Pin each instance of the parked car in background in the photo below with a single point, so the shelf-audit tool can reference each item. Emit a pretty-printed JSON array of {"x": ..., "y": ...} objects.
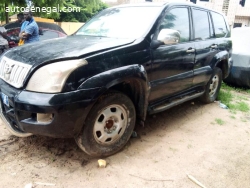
[
  {"x": 46, "y": 31},
  {"x": 3, "y": 41},
  {"x": 240, "y": 72},
  {"x": 123, "y": 64}
]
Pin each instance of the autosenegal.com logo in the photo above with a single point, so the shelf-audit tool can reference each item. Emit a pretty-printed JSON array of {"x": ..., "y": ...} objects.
[{"x": 47, "y": 10}]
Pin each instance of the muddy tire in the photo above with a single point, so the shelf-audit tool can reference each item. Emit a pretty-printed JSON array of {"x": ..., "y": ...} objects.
[
  {"x": 213, "y": 87},
  {"x": 108, "y": 126}
]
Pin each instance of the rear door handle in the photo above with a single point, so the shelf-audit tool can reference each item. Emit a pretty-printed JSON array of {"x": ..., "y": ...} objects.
[
  {"x": 190, "y": 50},
  {"x": 214, "y": 46}
]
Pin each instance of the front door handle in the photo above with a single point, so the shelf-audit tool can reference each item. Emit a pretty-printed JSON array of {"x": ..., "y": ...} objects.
[
  {"x": 214, "y": 46},
  {"x": 190, "y": 50}
]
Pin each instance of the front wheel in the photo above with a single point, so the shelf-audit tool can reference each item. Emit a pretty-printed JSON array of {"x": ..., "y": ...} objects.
[
  {"x": 213, "y": 87},
  {"x": 108, "y": 126}
]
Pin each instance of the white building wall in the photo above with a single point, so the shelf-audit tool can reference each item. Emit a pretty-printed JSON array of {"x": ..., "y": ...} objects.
[
  {"x": 232, "y": 11},
  {"x": 243, "y": 11},
  {"x": 243, "y": 20}
]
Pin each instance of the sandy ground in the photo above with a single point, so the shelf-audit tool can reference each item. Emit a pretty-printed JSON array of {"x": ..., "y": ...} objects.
[{"x": 185, "y": 140}]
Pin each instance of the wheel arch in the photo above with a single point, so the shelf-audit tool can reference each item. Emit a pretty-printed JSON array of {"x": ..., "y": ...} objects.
[
  {"x": 222, "y": 62},
  {"x": 137, "y": 91},
  {"x": 131, "y": 80}
]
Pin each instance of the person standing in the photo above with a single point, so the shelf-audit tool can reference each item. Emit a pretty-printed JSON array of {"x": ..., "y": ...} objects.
[
  {"x": 22, "y": 21},
  {"x": 30, "y": 33}
]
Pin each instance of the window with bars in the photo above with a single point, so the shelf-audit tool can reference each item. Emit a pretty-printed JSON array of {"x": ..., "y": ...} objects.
[{"x": 225, "y": 6}]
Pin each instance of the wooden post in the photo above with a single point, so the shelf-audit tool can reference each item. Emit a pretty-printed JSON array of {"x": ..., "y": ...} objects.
[{"x": 6, "y": 13}]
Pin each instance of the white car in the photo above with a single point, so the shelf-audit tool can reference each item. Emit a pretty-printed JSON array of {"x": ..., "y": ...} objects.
[{"x": 240, "y": 72}]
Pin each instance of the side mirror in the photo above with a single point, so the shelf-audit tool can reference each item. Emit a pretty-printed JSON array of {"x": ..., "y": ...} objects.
[{"x": 169, "y": 36}]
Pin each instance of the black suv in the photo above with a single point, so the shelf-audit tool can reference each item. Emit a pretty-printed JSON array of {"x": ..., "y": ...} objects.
[{"x": 126, "y": 62}]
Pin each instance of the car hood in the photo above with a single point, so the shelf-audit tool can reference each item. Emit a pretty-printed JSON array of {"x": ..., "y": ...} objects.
[{"x": 63, "y": 48}]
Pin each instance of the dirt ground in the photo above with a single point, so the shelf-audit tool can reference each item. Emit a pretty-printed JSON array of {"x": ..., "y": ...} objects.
[{"x": 185, "y": 140}]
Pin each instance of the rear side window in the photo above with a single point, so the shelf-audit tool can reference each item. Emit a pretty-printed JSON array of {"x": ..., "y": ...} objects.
[
  {"x": 220, "y": 27},
  {"x": 201, "y": 25},
  {"x": 177, "y": 19}
]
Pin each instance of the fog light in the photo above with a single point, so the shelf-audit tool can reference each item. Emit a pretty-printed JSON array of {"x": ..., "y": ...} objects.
[{"x": 44, "y": 118}]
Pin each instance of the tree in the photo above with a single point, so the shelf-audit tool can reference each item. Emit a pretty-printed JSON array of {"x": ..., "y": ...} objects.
[
  {"x": 4, "y": 15},
  {"x": 7, "y": 4},
  {"x": 88, "y": 8},
  {"x": 46, "y": 4}
]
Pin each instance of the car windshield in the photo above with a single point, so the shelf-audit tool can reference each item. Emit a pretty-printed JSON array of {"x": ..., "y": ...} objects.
[{"x": 126, "y": 22}]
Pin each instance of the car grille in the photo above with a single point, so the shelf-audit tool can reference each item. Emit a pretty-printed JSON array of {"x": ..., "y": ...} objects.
[{"x": 13, "y": 72}]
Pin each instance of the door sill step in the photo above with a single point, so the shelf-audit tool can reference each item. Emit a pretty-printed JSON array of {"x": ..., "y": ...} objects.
[{"x": 174, "y": 103}]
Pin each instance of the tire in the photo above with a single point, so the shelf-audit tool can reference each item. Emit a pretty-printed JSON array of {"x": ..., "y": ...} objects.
[
  {"x": 213, "y": 87},
  {"x": 108, "y": 126}
]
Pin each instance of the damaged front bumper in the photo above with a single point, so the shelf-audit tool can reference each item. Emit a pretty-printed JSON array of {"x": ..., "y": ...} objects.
[{"x": 55, "y": 115}]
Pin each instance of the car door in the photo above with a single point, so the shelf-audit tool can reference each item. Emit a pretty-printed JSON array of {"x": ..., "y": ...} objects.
[
  {"x": 205, "y": 45},
  {"x": 172, "y": 67}
]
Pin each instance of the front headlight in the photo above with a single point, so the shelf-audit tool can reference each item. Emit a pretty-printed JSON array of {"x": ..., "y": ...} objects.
[{"x": 51, "y": 78}]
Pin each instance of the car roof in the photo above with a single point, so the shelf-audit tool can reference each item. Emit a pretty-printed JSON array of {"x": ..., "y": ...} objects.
[
  {"x": 145, "y": 4},
  {"x": 51, "y": 26},
  {"x": 40, "y": 28},
  {"x": 46, "y": 25},
  {"x": 160, "y": 4}
]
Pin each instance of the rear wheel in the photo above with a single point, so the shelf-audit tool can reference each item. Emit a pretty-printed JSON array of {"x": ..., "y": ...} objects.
[
  {"x": 212, "y": 87},
  {"x": 109, "y": 125}
]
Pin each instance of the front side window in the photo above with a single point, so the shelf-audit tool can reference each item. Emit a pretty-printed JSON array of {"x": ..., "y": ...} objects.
[
  {"x": 177, "y": 19},
  {"x": 219, "y": 25},
  {"x": 201, "y": 25}
]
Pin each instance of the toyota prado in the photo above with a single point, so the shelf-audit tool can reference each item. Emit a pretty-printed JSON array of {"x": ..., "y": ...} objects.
[{"x": 126, "y": 62}]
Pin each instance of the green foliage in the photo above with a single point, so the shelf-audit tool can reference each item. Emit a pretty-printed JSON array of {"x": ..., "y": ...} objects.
[
  {"x": 233, "y": 117},
  {"x": 88, "y": 8},
  {"x": 242, "y": 98},
  {"x": 241, "y": 106},
  {"x": 219, "y": 121},
  {"x": 7, "y": 3},
  {"x": 225, "y": 96},
  {"x": 237, "y": 89},
  {"x": 226, "y": 87},
  {"x": 48, "y": 3},
  {"x": 233, "y": 101}
]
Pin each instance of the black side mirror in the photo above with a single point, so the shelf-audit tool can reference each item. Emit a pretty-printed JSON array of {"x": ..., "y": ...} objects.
[{"x": 156, "y": 43}]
